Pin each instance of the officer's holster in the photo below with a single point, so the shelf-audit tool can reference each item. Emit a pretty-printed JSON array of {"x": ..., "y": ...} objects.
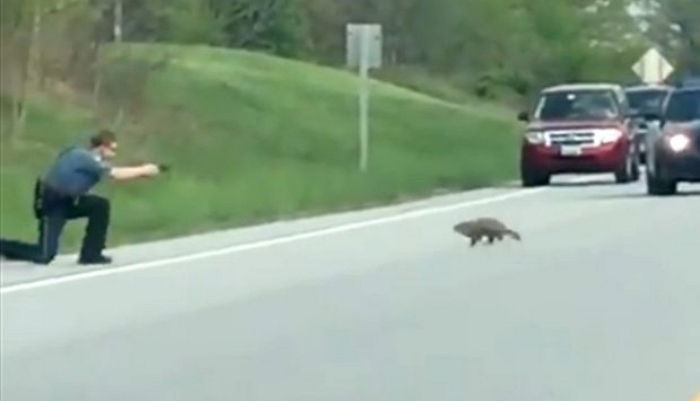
[{"x": 38, "y": 205}]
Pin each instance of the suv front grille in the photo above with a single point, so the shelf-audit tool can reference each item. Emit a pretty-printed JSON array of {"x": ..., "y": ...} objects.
[{"x": 572, "y": 138}]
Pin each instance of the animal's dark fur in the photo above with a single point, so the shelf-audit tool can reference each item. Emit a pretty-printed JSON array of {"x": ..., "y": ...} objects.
[{"x": 488, "y": 228}]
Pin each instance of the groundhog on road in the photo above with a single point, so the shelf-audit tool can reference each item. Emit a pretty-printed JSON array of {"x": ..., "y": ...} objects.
[{"x": 488, "y": 228}]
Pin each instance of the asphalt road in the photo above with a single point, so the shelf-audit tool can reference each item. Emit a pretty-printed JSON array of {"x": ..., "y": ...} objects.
[{"x": 601, "y": 301}]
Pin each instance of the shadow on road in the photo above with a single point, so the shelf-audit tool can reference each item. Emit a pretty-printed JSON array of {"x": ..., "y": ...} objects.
[
  {"x": 643, "y": 195},
  {"x": 578, "y": 184},
  {"x": 566, "y": 184}
]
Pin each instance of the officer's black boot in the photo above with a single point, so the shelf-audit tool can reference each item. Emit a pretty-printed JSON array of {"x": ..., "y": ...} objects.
[
  {"x": 96, "y": 233},
  {"x": 95, "y": 260}
]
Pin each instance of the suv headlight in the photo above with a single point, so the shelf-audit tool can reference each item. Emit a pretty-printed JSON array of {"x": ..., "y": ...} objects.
[
  {"x": 609, "y": 135},
  {"x": 535, "y": 137},
  {"x": 678, "y": 142}
]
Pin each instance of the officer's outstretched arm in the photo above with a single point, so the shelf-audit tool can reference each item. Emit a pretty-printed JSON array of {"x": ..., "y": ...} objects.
[{"x": 131, "y": 173}]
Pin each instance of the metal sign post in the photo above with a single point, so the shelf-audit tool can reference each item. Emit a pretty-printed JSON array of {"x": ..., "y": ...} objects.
[{"x": 364, "y": 43}]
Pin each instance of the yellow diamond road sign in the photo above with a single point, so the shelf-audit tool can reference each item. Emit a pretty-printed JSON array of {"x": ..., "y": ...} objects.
[{"x": 653, "y": 68}]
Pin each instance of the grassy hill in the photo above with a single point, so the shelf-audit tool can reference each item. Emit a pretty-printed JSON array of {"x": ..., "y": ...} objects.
[{"x": 255, "y": 138}]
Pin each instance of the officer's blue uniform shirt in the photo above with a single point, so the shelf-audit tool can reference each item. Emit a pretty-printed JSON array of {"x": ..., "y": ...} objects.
[{"x": 76, "y": 171}]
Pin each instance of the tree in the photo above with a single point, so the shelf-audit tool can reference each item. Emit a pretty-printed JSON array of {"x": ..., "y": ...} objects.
[
  {"x": 23, "y": 23},
  {"x": 274, "y": 25},
  {"x": 675, "y": 24}
]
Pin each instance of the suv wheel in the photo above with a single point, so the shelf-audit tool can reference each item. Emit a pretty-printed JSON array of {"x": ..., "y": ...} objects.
[
  {"x": 659, "y": 186},
  {"x": 533, "y": 179},
  {"x": 636, "y": 167},
  {"x": 626, "y": 173}
]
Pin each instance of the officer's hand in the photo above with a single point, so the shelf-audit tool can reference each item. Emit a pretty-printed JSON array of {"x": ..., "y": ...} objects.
[{"x": 151, "y": 170}]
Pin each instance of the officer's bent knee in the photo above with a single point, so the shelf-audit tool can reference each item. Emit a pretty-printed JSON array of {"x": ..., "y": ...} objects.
[
  {"x": 101, "y": 204},
  {"x": 104, "y": 203}
]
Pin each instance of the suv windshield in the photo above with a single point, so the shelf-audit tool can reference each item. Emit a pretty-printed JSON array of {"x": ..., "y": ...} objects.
[
  {"x": 647, "y": 101},
  {"x": 578, "y": 105},
  {"x": 684, "y": 106}
]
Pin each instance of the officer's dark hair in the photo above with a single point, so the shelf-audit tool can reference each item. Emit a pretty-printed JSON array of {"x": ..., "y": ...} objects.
[{"x": 103, "y": 137}]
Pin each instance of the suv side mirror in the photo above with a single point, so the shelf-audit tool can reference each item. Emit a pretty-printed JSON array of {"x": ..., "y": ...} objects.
[{"x": 523, "y": 116}]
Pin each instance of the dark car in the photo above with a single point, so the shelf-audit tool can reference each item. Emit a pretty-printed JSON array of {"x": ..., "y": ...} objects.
[
  {"x": 579, "y": 128},
  {"x": 646, "y": 100},
  {"x": 673, "y": 145}
]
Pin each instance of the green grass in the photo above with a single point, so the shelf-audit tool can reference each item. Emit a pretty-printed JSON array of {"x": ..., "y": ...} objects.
[{"x": 255, "y": 138}]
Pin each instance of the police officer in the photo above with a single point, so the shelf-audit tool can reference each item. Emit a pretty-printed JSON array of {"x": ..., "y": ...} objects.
[{"x": 62, "y": 195}]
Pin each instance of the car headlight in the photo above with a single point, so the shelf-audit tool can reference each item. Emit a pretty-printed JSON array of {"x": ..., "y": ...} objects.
[
  {"x": 678, "y": 142},
  {"x": 535, "y": 137},
  {"x": 609, "y": 135}
]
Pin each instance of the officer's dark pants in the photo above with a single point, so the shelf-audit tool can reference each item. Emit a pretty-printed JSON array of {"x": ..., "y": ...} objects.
[{"x": 58, "y": 210}]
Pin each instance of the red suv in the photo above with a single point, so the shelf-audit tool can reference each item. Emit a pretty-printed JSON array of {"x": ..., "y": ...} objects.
[{"x": 580, "y": 128}]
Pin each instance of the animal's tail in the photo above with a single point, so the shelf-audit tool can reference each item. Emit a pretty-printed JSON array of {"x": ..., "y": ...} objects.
[{"x": 514, "y": 235}]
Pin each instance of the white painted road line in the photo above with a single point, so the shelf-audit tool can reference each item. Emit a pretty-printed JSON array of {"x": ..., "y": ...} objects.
[{"x": 22, "y": 287}]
